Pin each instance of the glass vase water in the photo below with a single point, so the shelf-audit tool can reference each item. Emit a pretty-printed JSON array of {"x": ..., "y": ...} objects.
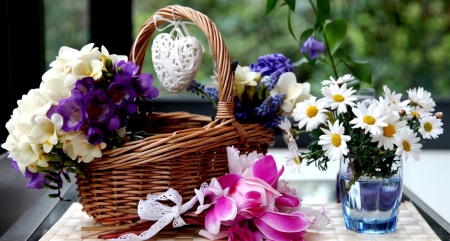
[{"x": 370, "y": 205}]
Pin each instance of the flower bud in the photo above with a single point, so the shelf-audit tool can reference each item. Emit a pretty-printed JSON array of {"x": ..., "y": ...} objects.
[
  {"x": 402, "y": 112},
  {"x": 439, "y": 115},
  {"x": 109, "y": 65}
]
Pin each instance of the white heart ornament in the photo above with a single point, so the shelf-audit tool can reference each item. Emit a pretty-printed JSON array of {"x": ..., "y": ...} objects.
[{"x": 176, "y": 61}]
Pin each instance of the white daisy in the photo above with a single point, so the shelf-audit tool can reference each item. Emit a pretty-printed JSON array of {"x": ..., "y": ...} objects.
[
  {"x": 293, "y": 157},
  {"x": 406, "y": 141},
  {"x": 386, "y": 140},
  {"x": 285, "y": 126},
  {"x": 334, "y": 142},
  {"x": 339, "y": 97},
  {"x": 310, "y": 113},
  {"x": 417, "y": 112},
  {"x": 430, "y": 127},
  {"x": 421, "y": 98},
  {"x": 339, "y": 81},
  {"x": 370, "y": 119}
]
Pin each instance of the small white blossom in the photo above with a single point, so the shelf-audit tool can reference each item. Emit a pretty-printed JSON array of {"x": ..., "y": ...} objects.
[
  {"x": 407, "y": 144},
  {"x": 369, "y": 119},
  {"x": 430, "y": 127},
  {"x": 334, "y": 142},
  {"x": 293, "y": 157},
  {"x": 338, "y": 97},
  {"x": 287, "y": 84},
  {"x": 311, "y": 113},
  {"x": 339, "y": 81}
]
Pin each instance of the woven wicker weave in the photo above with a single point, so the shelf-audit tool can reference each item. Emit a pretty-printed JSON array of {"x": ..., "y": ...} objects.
[{"x": 186, "y": 149}]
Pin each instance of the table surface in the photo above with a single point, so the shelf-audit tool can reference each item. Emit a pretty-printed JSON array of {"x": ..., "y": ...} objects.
[{"x": 312, "y": 188}]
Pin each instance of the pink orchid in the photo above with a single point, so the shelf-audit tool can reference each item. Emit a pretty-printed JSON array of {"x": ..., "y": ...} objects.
[
  {"x": 282, "y": 226},
  {"x": 242, "y": 232},
  {"x": 209, "y": 195},
  {"x": 241, "y": 164},
  {"x": 224, "y": 210}
]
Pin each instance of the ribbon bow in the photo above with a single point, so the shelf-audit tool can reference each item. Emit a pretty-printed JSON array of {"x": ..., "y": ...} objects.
[{"x": 153, "y": 210}]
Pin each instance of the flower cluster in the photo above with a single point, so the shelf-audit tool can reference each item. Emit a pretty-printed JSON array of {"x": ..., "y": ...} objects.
[
  {"x": 343, "y": 125},
  {"x": 265, "y": 91},
  {"x": 80, "y": 108},
  {"x": 251, "y": 203},
  {"x": 248, "y": 203}
]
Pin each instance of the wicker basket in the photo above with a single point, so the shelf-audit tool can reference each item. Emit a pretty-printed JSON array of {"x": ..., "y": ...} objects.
[{"x": 186, "y": 150}]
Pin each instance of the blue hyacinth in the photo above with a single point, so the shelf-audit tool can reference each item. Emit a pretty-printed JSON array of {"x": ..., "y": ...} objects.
[{"x": 270, "y": 105}]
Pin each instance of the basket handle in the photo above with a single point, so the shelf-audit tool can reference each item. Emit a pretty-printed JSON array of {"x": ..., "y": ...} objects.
[{"x": 225, "y": 109}]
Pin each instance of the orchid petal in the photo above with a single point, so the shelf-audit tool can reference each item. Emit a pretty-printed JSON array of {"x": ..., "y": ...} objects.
[
  {"x": 320, "y": 218},
  {"x": 282, "y": 226},
  {"x": 210, "y": 236},
  {"x": 287, "y": 200},
  {"x": 229, "y": 180},
  {"x": 225, "y": 208}
]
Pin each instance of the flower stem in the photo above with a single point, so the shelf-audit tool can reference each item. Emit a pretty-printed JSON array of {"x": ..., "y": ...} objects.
[{"x": 207, "y": 96}]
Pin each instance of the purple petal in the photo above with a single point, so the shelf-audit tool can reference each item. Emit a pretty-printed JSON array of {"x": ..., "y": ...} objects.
[
  {"x": 85, "y": 85},
  {"x": 94, "y": 135},
  {"x": 266, "y": 169},
  {"x": 129, "y": 109},
  {"x": 98, "y": 108},
  {"x": 123, "y": 78},
  {"x": 144, "y": 86},
  {"x": 14, "y": 165},
  {"x": 71, "y": 110},
  {"x": 281, "y": 226},
  {"x": 113, "y": 123},
  {"x": 121, "y": 94}
]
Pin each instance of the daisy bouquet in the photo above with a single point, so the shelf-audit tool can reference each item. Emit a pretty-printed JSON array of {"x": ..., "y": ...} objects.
[
  {"x": 80, "y": 109},
  {"x": 343, "y": 125},
  {"x": 265, "y": 92},
  {"x": 248, "y": 203}
]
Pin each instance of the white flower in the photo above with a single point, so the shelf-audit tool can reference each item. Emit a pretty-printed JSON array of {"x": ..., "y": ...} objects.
[
  {"x": 87, "y": 63},
  {"x": 241, "y": 164},
  {"x": 393, "y": 100},
  {"x": 293, "y": 157},
  {"x": 76, "y": 146},
  {"x": 287, "y": 84},
  {"x": 339, "y": 81},
  {"x": 45, "y": 131},
  {"x": 407, "y": 144},
  {"x": 416, "y": 112},
  {"x": 114, "y": 57},
  {"x": 334, "y": 142},
  {"x": 310, "y": 113},
  {"x": 285, "y": 126},
  {"x": 421, "y": 98},
  {"x": 243, "y": 77},
  {"x": 386, "y": 139},
  {"x": 338, "y": 97},
  {"x": 28, "y": 154},
  {"x": 430, "y": 127},
  {"x": 370, "y": 119}
]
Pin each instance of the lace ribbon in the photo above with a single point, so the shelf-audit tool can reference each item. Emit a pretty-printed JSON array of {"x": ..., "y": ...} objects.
[{"x": 152, "y": 210}]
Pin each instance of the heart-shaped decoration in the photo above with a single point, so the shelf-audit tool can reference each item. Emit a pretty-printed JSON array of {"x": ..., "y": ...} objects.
[{"x": 176, "y": 61}]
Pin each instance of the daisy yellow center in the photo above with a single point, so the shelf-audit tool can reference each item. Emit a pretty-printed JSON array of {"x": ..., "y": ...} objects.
[
  {"x": 415, "y": 114},
  {"x": 369, "y": 120},
  {"x": 428, "y": 127},
  {"x": 338, "y": 98},
  {"x": 406, "y": 146},
  {"x": 296, "y": 160},
  {"x": 336, "y": 140},
  {"x": 389, "y": 130},
  {"x": 311, "y": 111}
]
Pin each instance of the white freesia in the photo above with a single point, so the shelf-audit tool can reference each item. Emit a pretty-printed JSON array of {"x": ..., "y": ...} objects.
[
  {"x": 86, "y": 151},
  {"x": 243, "y": 77},
  {"x": 287, "y": 84},
  {"x": 45, "y": 131},
  {"x": 114, "y": 57}
]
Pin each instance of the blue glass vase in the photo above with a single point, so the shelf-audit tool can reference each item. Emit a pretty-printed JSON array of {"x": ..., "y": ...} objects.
[{"x": 370, "y": 205}]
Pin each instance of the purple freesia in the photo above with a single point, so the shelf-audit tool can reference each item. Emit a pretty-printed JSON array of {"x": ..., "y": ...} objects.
[
  {"x": 71, "y": 109},
  {"x": 94, "y": 135},
  {"x": 85, "y": 85},
  {"x": 126, "y": 67},
  {"x": 36, "y": 179},
  {"x": 144, "y": 86},
  {"x": 313, "y": 47},
  {"x": 98, "y": 107},
  {"x": 120, "y": 93},
  {"x": 267, "y": 64}
]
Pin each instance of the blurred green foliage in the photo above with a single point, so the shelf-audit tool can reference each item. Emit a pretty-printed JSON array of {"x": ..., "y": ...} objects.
[{"x": 406, "y": 41}]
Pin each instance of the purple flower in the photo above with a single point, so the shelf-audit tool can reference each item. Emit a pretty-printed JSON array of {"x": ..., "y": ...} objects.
[
  {"x": 313, "y": 47},
  {"x": 36, "y": 179},
  {"x": 98, "y": 107},
  {"x": 71, "y": 109},
  {"x": 85, "y": 85},
  {"x": 212, "y": 92},
  {"x": 120, "y": 93},
  {"x": 144, "y": 86},
  {"x": 270, "y": 105},
  {"x": 270, "y": 63},
  {"x": 270, "y": 81},
  {"x": 94, "y": 135},
  {"x": 126, "y": 67}
]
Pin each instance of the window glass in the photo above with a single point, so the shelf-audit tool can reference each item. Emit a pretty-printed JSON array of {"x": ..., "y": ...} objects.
[{"x": 66, "y": 23}]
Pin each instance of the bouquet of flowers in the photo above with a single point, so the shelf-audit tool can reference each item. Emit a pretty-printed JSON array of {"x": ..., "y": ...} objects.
[
  {"x": 341, "y": 125},
  {"x": 80, "y": 109},
  {"x": 265, "y": 92},
  {"x": 248, "y": 203}
]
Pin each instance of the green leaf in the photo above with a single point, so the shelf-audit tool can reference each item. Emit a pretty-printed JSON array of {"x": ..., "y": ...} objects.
[
  {"x": 56, "y": 195},
  {"x": 270, "y": 5},
  {"x": 291, "y": 4},
  {"x": 335, "y": 32},
  {"x": 362, "y": 70},
  {"x": 290, "y": 25},
  {"x": 303, "y": 60},
  {"x": 323, "y": 12}
]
